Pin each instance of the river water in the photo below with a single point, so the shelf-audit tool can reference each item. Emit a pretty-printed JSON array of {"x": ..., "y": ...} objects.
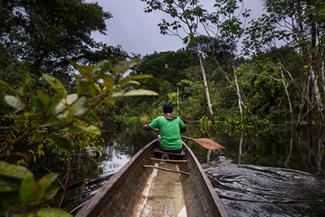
[{"x": 273, "y": 173}]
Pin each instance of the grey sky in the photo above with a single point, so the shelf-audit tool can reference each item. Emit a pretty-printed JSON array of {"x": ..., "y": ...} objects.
[{"x": 137, "y": 32}]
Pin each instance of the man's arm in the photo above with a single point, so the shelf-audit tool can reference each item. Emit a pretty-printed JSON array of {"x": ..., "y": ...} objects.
[{"x": 182, "y": 126}]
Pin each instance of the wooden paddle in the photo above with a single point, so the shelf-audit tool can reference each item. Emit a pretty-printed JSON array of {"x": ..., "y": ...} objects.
[{"x": 205, "y": 143}]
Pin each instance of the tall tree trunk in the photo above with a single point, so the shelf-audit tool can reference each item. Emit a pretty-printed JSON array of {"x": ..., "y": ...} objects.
[
  {"x": 317, "y": 94},
  {"x": 240, "y": 151},
  {"x": 287, "y": 161},
  {"x": 206, "y": 87},
  {"x": 240, "y": 102},
  {"x": 285, "y": 85},
  {"x": 320, "y": 152},
  {"x": 239, "y": 98},
  {"x": 309, "y": 102},
  {"x": 323, "y": 75}
]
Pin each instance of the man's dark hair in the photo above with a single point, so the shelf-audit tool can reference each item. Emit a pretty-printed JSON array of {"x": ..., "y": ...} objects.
[{"x": 167, "y": 107}]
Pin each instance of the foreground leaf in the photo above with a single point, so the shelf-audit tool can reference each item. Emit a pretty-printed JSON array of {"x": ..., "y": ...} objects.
[
  {"x": 28, "y": 189},
  {"x": 13, "y": 171},
  {"x": 141, "y": 92},
  {"x": 55, "y": 84},
  {"x": 91, "y": 129},
  {"x": 14, "y": 102},
  {"x": 78, "y": 108}
]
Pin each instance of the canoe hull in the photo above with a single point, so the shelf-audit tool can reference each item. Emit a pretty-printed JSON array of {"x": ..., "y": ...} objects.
[{"x": 121, "y": 194}]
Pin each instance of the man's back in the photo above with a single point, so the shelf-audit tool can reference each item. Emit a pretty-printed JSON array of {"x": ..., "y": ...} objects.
[{"x": 170, "y": 135}]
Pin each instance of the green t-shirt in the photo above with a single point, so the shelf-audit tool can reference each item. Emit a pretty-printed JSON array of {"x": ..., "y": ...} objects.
[{"x": 170, "y": 135}]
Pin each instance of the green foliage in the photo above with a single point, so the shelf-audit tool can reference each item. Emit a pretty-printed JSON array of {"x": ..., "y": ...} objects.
[
  {"x": 39, "y": 113},
  {"x": 262, "y": 82},
  {"x": 57, "y": 122},
  {"x": 235, "y": 125},
  {"x": 205, "y": 125},
  {"x": 44, "y": 35},
  {"x": 18, "y": 188}
]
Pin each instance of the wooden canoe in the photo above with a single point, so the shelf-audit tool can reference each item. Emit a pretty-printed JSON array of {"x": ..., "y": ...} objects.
[{"x": 136, "y": 190}]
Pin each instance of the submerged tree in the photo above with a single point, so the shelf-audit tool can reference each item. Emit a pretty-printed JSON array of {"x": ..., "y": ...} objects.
[{"x": 299, "y": 24}]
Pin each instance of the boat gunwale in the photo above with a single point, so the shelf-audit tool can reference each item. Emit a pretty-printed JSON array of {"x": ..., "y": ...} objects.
[
  {"x": 213, "y": 193},
  {"x": 88, "y": 208}
]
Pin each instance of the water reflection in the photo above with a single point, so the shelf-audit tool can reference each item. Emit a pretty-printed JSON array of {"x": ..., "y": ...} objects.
[
  {"x": 279, "y": 147},
  {"x": 249, "y": 190},
  {"x": 115, "y": 157}
]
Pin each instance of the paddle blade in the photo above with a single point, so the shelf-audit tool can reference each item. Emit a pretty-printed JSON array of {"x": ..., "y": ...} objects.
[{"x": 208, "y": 143}]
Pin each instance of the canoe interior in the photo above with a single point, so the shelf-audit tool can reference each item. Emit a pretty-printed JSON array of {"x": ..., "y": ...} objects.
[
  {"x": 138, "y": 191},
  {"x": 163, "y": 195}
]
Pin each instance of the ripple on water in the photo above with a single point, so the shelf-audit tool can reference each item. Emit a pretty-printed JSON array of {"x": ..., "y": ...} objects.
[{"x": 248, "y": 190}]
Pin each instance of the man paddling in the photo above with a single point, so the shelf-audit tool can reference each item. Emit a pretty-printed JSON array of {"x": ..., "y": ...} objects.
[{"x": 170, "y": 127}]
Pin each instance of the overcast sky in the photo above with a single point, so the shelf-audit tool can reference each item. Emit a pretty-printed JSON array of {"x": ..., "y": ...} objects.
[{"x": 137, "y": 32}]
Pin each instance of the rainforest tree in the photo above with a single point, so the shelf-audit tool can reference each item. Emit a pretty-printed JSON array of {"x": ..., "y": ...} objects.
[
  {"x": 299, "y": 24},
  {"x": 47, "y": 34},
  {"x": 191, "y": 20}
]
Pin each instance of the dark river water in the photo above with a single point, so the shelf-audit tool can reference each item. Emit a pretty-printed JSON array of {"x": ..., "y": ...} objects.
[{"x": 274, "y": 173}]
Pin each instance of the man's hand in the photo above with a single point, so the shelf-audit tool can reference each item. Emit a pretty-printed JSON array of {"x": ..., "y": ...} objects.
[{"x": 146, "y": 127}]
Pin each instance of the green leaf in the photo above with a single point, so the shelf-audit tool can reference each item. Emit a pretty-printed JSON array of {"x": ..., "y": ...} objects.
[
  {"x": 97, "y": 86},
  {"x": 28, "y": 189},
  {"x": 133, "y": 82},
  {"x": 13, "y": 171},
  {"x": 139, "y": 77},
  {"x": 78, "y": 108},
  {"x": 44, "y": 97},
  {"x": 14, "y": 102},
  {"x": 52, "y": 212},
  {"x": 118, "y": 94},
  {"x": 71, "y": 98},
  {"x": 54, "y": 101},
  {"x": 109, "y": 83},
  {"x": 124, "y": 66},
  {"x": 91, "y": 129},
  {"x": 52, "y": 121},
  {"x": 55, "y": 84},
  {"x": 60, "y": 106},
  {"x": 132, "y": 78},
  {"x": 37, "y": 104},
  {"x": 85, "y": 71},
  {"x": 50, "y": 192},
  {"x": 62, "y": 143},
  {"x": 46, "y": 181},
  {"x": 140, "y": 92},
  {"x": 104, "y": 67}
]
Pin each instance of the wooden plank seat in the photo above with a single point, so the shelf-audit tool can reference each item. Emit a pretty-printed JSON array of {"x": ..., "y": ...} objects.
[{"x": 168, "y": 155}]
